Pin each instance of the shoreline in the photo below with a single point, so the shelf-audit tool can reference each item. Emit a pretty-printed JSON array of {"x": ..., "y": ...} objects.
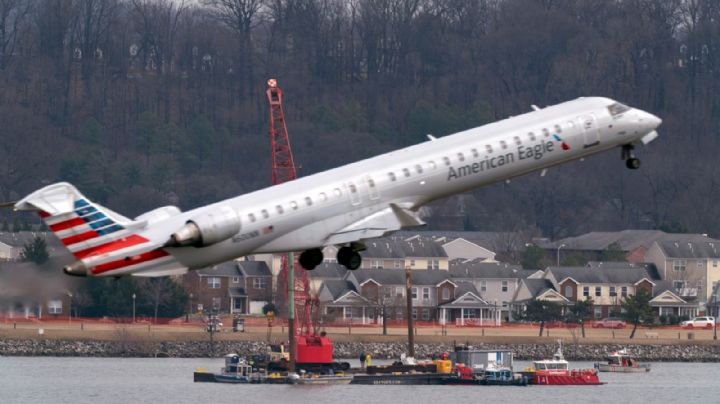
[{"x": 139, "y": 348}]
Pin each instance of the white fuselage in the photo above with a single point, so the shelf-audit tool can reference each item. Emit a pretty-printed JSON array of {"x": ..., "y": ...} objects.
[{"x": 307, "y": 212}]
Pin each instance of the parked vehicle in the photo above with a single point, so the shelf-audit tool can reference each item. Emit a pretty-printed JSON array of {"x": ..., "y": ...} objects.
[
  {"x": 699, "y": 322},
  {"x": 610, "y": 322}
]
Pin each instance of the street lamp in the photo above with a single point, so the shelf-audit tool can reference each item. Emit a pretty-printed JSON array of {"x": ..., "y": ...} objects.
[
  {"x": 558, "y": 253},
  {"x": 133, "y": 296},
  {"x": 69, "y": 308},
  {"x": 187, "y": 316}
]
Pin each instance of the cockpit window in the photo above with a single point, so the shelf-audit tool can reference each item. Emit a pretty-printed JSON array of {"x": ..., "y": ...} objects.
[{"x": 617, "y": 109}]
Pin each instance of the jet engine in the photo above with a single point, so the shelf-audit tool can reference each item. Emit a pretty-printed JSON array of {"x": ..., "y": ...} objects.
[{"x": 206, "y": 229}]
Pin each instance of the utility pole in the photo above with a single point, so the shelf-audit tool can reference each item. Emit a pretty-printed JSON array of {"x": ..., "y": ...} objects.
[
  {"x": 408, "y": 293},
  {"x": 291, "y": 309}
]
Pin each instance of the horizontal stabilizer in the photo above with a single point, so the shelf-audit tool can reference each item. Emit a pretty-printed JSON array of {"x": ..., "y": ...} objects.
[
  {"x": 161, "y": 272},
  {"x": 388, "y": 220}
]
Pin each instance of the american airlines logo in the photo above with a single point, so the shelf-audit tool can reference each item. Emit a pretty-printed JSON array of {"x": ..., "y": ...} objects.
[{"x": 535, "y": 152}]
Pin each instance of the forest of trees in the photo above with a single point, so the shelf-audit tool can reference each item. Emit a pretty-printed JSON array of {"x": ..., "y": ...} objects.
[{"x": 142, "y": 103}]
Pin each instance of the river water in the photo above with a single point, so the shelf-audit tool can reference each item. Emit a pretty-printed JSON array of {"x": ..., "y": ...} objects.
[{"x": 169, "y": 380}]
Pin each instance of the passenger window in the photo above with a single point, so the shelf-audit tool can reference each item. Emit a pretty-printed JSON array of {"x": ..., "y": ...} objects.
[
  {"x": 251, "y": 216},
  {"x": 353, "y": 188},
  {"x": 570, "y": 124},
  {"x": 338, "y": 192},
  {"x": 322, "y": 196},
  {"x": 279, "y": 209},
  {"x": 392, "y": 176},
  {"x": 531, "y": 136},
  {"x": 558, "y": 129},
  {"x": 517, "y": 140},
  {"x": 406, "y": 172},
  {"x": 545, "y": 132},
  {"x": 432, "y": 165},
  {"x": 293, "y": 205},
  {"x": 461, "y": 157},
  {"x": 446, "y": 160},
  {"x": 265, "y": 214},
  {"x": 371, "y": 182},
  {"x": 488, "y": 149},
  {"x": 503, "y": 144},
  {"x": 475, "y": 153},
  {"x": 308, "y": 201},
  {"x": 418, "y": 168}
]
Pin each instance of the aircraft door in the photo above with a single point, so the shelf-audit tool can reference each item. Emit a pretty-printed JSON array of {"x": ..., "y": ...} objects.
[
  {"x": 354, "y": 193},
  {"x": 373, "y": 192},
  {"x": 590, "y": 129}
]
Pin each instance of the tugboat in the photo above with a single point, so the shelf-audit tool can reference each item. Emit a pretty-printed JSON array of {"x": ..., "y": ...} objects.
[
  {"x": 556, "y": 371},
  {"x": 622, "y": 362},
  {"x": 237, "y": 370}
]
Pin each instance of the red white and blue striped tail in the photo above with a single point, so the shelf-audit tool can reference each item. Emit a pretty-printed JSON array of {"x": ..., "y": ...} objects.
[{"x": 102, "y": 240}]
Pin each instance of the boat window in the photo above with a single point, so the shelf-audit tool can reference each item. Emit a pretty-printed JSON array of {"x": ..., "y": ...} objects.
[
  {"x": 251, "y": 216},
  {"x": 446, "y": 160},
  {"x": 488, "y": 148},
  {"x": 293, "y": 205},
  {"x": 418, "y": 168},
  {"x": 617, "y": 109},
  {"x": 405, "y": 171},
  {"x": 308, "y": 201},
  {"x": 503, "y": 144},
  {"x": 540, "y": 366},
  {"x": 265, "y": 214},
  {"x": 279, "y": 209},
  {"x": 517, "y": 140},
  {"x": 392, "y": 176},
  {"x": 461, "y": 157}
]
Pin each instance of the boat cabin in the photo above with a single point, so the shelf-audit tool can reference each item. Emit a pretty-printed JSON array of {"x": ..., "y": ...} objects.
[
  {"x": 236, "y": 366},
  {"x": 551, "y": 365}
]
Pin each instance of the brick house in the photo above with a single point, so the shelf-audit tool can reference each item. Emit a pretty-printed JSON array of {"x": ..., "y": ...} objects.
[{"x": 237, "y": 287}]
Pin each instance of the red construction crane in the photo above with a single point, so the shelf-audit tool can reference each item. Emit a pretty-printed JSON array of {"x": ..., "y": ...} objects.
[{"x": 307, "y": 349}]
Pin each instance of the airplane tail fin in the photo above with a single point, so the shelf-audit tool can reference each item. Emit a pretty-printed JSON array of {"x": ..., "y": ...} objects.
[{"x": 84, "y": 227}]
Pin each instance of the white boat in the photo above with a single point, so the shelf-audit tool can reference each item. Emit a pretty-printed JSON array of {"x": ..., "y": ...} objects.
[{"x": 622, "y": 362}]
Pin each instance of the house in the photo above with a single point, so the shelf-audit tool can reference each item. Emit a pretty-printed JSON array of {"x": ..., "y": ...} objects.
[
  {"x": 469, "y": 308},
  {"x": 667, "y": 302},
  {"x": 495, "y": 282},
  {"x": 535, "y": 289},
  {"x": 324, "y": 272},
  {"x": 606, "y": 283},
  {"x": 595, "y": 246},
  {"x": 693, "y": 267},
  {"x": 464, "y": 249},
  {"x": 238, "y": 287},
  {"x": 341, "y": 301},
  {"x": 387, "y": 287}
]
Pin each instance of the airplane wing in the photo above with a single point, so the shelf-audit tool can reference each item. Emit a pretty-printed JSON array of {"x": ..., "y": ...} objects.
[{"x": 390, "y": 219}]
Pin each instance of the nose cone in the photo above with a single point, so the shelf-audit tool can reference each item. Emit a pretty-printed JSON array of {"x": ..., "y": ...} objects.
[{"x": 653, "y": 120}]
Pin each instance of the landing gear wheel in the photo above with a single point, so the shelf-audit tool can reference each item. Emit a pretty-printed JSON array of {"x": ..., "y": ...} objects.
[
  {"x": 632, "y": 163},
  {"x": 309, "y": 259},
  {"x": 349, "y": 258}
]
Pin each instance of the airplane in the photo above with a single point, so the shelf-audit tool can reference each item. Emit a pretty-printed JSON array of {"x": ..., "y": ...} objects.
[{"x": 344, "y": 206}]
